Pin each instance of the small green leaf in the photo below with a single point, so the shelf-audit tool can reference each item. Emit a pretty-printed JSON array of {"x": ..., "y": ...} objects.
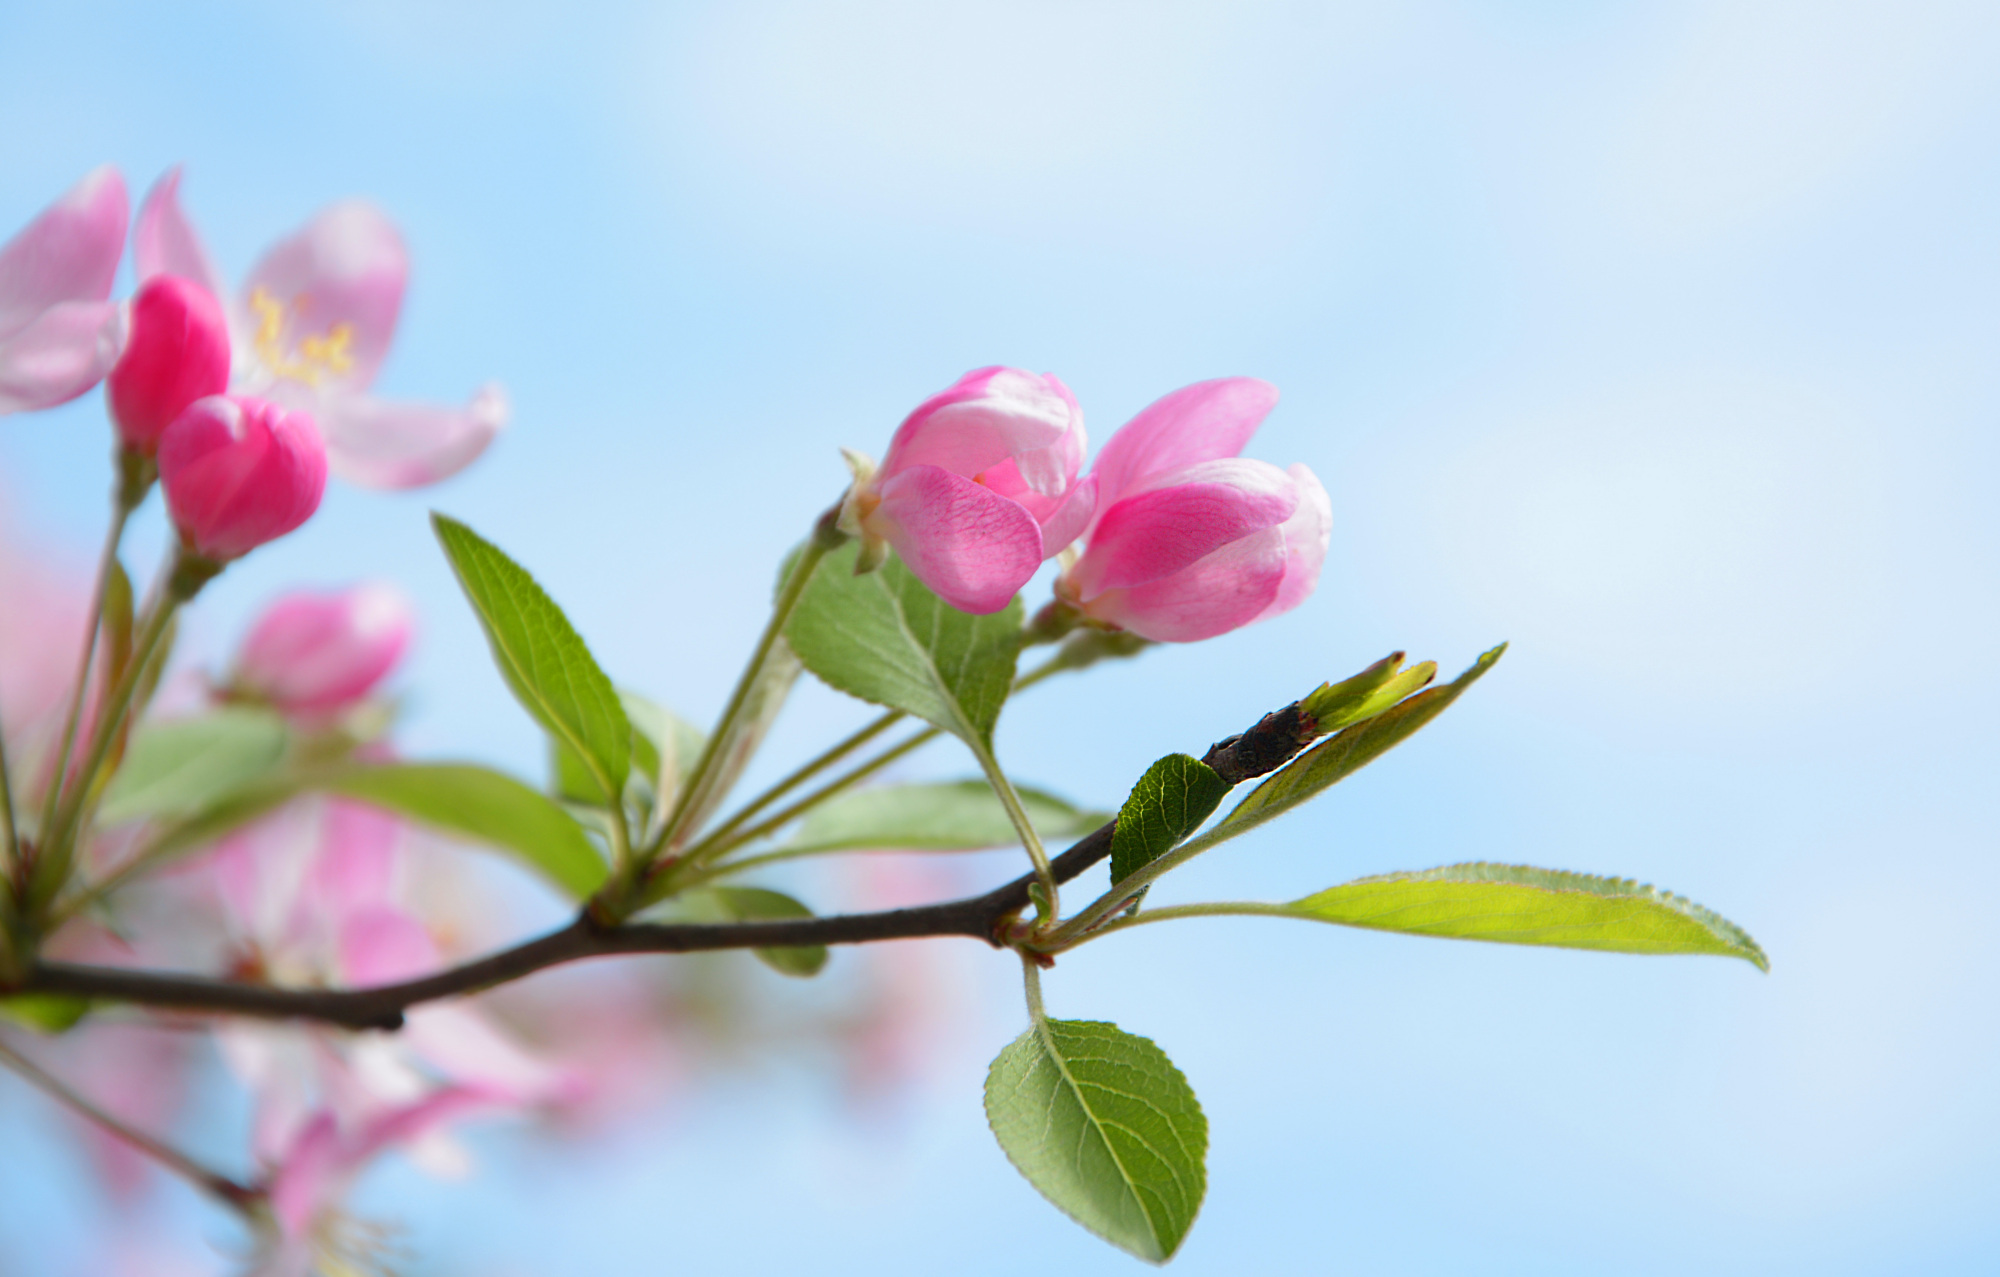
[
  {"x": 117, "y": 622},
  {"x": 481, "y": 805},
  {"x": 955, "y": 816},
  {"x": 1104, "y": 1126},
  {"x": 1170, "y": 801},
  {"x": 1335, "y": 759},
  {"x": 542, "y": 657},
  {"x": 1516, "y": 904},
  {"x": 664, "y": 745},
  {"x": 885, "y": 638},
  {"x": 177, "y": 768},
  {"x": 44, "y": 1012},
  {"x": 755, "y": 904},
  {"x": 760, "y": 709},
  {"x": 1338, "y": 705}
]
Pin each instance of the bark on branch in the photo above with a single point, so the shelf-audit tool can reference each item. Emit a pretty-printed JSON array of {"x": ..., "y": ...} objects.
[{"x": 1264, "y": 748}]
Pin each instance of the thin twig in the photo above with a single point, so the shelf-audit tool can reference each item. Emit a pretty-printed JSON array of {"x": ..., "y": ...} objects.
[{"x": 231, "y": 1193}]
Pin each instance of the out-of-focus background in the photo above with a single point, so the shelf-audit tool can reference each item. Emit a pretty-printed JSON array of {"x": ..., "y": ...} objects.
[{"x": 1658, "y": 339}]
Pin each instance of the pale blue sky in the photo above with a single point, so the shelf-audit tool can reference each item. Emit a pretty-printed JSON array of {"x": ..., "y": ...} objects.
[{"x": 1655, "y": 338}]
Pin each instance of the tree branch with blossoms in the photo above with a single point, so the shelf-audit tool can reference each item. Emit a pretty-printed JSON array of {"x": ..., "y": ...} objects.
[{"x": 284, "y": 810}]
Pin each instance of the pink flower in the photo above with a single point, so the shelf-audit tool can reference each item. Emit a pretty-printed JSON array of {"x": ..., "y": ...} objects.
[
  {"x": 178, "y": 352},
  {"x": 310, "y": 898},
  {"x": 312, "y": 327},
  {"x": 59, "y": 333},
  {"x": 979, "y": 487},
  {"x": 1189, "y": 541},
  {"x": 239, "y": 472},
  {"x": 316, "y": 653}
]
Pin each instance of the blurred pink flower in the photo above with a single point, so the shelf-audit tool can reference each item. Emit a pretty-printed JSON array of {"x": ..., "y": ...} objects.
[
  {"x": 177, "y": 352},
  {"x": 312, "y": 327},
  {"x": 318, "y": 653},
  {"x": 310, "y": 897},
  {"x": 978, "y": 488},
  {"x": 239, "y": 472},
  {"x": 1189, "y": 541},
  {"x": 59, "y": 332}
]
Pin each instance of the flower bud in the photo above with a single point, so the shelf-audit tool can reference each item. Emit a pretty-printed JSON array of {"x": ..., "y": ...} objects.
[
  {"x": 178, "y": 352},
  {"x": 1188, "y": 540},
  {"x": 978, "y": 488},
  {"x": 314, "y": 653},
  {"x": 239, "y": 472}
]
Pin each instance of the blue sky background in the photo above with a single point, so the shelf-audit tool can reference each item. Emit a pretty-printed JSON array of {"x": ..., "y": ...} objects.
[{"x": 1655, "y": 338}]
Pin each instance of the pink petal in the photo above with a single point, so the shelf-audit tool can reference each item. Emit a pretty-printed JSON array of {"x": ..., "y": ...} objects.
[
  {"x": 1231, "y": 587},
  {"x": 377, "y": 443},
  {"x": 59, "y": 354},
  {"x": 339, "y": 281},
  {"x": 238, "y": 472},
  {"x": 68, "y": 254},
  {"x": 381, "y": 944},
  {"x": 360, "y": 848},
  {"x": 974, "y": 548},
  {"x": 1307, "y": 534},
  {"x": 989, "y": 416},
  {"x": 1202, "y": 422},
  {"x": 325, "y": 1160},
  {"x": 1171, "y": 522},
  {"x": 164, "y": 240},
  {"x": 1067, "y": 521},
  {"x": 460, "y": 1044}
]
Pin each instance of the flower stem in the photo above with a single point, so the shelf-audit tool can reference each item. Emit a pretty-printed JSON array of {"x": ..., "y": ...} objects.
[
  {"x": 696, "y": 795},
  {"x": 236, "y": 1196},
  {"x": 1047, "y": 908},
  {"x": 186, "y": 574},
  {"x": 135, "y": 479},
  {"x": 811, "y": 769}
]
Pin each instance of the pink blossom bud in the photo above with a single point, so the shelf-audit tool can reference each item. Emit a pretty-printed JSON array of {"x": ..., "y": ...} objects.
[
  {"x": 312, "y": 653},
  {"x": 1188, "y": 540},
  {"x": 239, "y": 472},
  {"x": 979, "y": 487},
  {"x": 178, "y": 352}
]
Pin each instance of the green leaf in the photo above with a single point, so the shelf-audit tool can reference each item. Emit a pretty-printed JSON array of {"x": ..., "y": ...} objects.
[
  {"x": 177, "y": 768},
  {"x": 885, "y": 638},
  {"x": 664, "y": 745},
  {"x": 542, "y": 657},
  {"x": 1516, "y": 904},
  {"x": 1104, "y": 1126},
  {"x": 1340, "y": 756},
  {"x": 760, "y": 709},
  {"x": 1338, "y": 705},
  {"x": 1170, "y": 801},
  {"x": 478, "y": 804},
  {"x": 117, "y": 622},
  {"x": 44, "y": 1012},
  {"x": 756, "y": 904},
  {"x": 955, "y": 816}
]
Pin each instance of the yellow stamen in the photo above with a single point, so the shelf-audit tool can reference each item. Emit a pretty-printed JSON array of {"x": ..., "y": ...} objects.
[{"x": 315, "y": 356}]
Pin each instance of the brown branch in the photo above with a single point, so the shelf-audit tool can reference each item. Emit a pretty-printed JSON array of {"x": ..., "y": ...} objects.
[{"x": 1264, "y": 748}]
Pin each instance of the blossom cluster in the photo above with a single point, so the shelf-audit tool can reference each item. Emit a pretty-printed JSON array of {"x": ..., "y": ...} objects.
[{"x": 239, "y": 404}]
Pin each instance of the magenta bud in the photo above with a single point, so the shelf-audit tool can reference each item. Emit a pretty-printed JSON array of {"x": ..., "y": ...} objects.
[
  {"x": 316, "y": 653},
  {"x": 239, "y": 472},
  {"x": 178, "y": 352}
]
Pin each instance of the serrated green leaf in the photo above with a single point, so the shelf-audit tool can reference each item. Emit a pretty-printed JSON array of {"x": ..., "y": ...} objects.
[
  {"x": 1517, "y": 904},
  {"x": 542, "y": 657},
  {"x": 1345, "y": 753},
  {"x": 481, "y": 805},
  {"x": 955, "y": 816},
  {"x": 885, "y": 638},
  {"x": 1104, "y": 1126},
  {"x": 177, "y": 768},
  {"x": 44, "y": 1012},
  {"x": 1170, "y": 801},
  {"x": 757, "y": 904}
]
